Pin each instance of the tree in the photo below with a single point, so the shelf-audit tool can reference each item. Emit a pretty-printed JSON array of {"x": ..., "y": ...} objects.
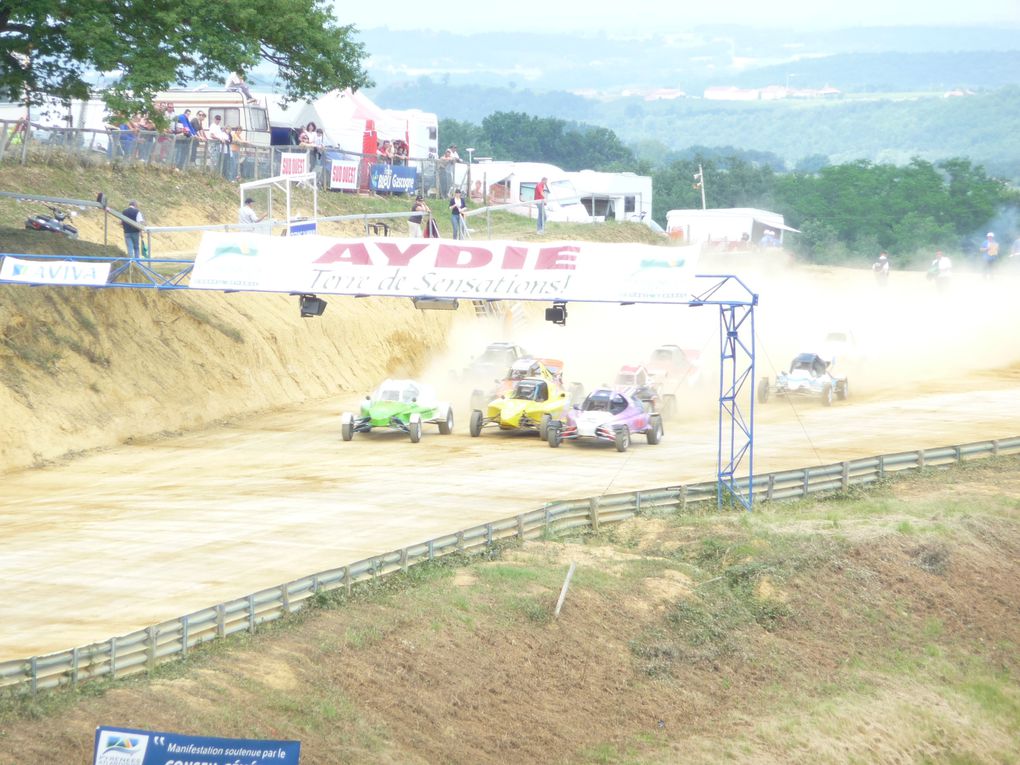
[{"x": 50, "y": 47}]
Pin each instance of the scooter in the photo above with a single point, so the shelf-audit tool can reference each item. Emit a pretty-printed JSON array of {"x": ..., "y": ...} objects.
[{"x": 53, "y": 222}]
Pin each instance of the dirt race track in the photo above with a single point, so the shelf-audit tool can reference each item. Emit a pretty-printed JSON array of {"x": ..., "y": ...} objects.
[{"x": 116, "y": 540}]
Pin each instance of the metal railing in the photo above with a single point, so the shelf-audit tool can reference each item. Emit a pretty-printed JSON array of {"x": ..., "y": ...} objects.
[
  {"x": 142, "y": 650},
  {"x": 235, "y": 162}
]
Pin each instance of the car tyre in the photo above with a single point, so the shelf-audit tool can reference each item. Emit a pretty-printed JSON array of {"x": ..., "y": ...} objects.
[
  {"x": 554, "y": 437},
  {"x": 446, "y": 427},
  {"x": 843, "y": 390},
  {"x": 347, "y": 427},
  {"x": 414, "y": 428},
  {"x": 622, "y": 438},
  {"x": 654, "y": 433},
  {"x": 827, "y": 394},
  {"x": 543, "y": 426},
  {"x": 475, "y": 425},
  {"x": 763, "y": 391}
]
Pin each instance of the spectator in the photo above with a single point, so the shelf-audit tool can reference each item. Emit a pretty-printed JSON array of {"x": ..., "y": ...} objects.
[
  {"x": 132, "y": 234},
  {"x": 184, "y": 136},
  {"x": 990, "y": 251},
  {"x": 457, "y": 208},
  {"x": 941, "y": 271},
  {"x": 236, "y": 84},
  {"x": 446, "y": 172},
  {"x": 198, "y": 134},
  {"x": 453, "y": 152},
  {"x": 247, "y": 215},
  {"x": 385, "y": 152},
  {"x": 219, "y": 142},
  {"x": 414, "y": 223},
  {"x": 541, "y": 192},
  {"x": 881, "y": 269},
  {"x": 237, "y": 148}
]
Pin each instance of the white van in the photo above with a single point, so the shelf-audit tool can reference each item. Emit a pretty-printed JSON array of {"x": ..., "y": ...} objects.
[{"x": 232, "y": 108}]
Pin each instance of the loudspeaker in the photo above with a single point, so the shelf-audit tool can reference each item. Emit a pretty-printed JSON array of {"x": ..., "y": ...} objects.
[
  {"x": 312, "y": 306},
  {"x": 557, "y": 314}
]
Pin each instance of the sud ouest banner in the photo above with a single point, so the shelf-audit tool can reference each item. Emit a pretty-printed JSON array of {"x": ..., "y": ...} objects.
[
  {"x": 392, "y": 179},
  {"x": 127, "y": 746}
]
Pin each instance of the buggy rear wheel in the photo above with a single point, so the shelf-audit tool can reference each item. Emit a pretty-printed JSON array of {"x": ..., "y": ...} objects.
[
  {"x": 475, "y": 425},
  {"x": 414, "y": 428},
  {"x": 543, "y": 426},
  {"x": 763, "y": 390},
  {"x": 843, "y": 390},
  {"x": 347, "y": 428},
  {"x": 553, "y": 436},
  {"x": 446, "y": 428},
  {"x": 827, "y": 394},
  {"x": 654, "y": 432}
]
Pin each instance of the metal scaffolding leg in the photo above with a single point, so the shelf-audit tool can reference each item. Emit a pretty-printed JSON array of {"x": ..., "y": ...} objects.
[{"x": 736, "y": 396}]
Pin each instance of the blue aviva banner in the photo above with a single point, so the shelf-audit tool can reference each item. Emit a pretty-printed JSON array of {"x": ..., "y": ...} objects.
[{"x": 127, "y": 746}]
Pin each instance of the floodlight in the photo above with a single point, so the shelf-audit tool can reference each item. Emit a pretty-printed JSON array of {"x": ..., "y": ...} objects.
[
  {"x": 312, "y": 306},
  {"x": 557, "y": 314},
  {"x": 436, "y": 304}
]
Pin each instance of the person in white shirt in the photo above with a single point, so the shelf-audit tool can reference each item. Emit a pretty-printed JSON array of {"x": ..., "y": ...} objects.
[
  {"x": 248, "y": 216},
  {"x": 236, "y": 84}
]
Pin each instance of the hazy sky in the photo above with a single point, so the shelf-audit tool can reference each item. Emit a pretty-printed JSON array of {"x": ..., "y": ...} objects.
[{"x": 666, "y": 16}]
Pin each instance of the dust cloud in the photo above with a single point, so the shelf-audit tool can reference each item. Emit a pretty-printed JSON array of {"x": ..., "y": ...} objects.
[{"x": 907, "y": 335}]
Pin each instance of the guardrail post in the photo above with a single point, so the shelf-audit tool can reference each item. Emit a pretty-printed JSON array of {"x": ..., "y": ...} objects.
[
  {"x": 771, "y": 488},
  {"x": 881, "y": 467},
  {"x": 33, "y": 668},
  {"x": 460, "y": 541},
  {"x": 520, "y": 527},
  {"x": 637, "y": 503},
  {"x": 403, "y": 559},
  {"x": 221, "y": 620},
  {"x": 251, "y": 614},
  {"x": 347, "y": 579},
  {"x": 593, "y": 513},
  {"x": 286, "y": 597},
  {"x": 958, "y": 451},
  {"x": 995, "y": 448},
  {"x": 74, "y": 667},
  {"x": 806, "y": 484},
  {"x": 432, "y": 549},
  {"x": 113, "y": 658},
  {"x": 184, "y": 637},
  {"x": 845, "y": 483},
  {"x": 920, "y": 459},
  {"x": 683, "y": 500},
  {"x": 488, "y": 535},
  {"x": 150, "y": 659}
]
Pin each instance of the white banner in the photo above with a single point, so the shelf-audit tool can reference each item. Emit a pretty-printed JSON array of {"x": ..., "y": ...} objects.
[
  {"x": 88, "y": 273},
  {"x": 293, "y": 164},
  {"x": 343, "y": 175},
  {"x": 445, "y": 268}
]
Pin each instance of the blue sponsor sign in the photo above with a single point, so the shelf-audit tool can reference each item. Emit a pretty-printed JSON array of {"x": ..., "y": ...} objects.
[
  {"x": 301, "y": 227},
  {"x": 126, "y": 746},
  {"x": 393, "y": 179}
]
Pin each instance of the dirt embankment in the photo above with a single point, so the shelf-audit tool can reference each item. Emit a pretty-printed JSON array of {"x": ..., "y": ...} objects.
[{"x": 81, "y": 369}]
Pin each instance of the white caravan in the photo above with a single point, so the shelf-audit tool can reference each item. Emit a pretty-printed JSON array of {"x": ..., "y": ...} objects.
[{"x": 499, "y": 183}]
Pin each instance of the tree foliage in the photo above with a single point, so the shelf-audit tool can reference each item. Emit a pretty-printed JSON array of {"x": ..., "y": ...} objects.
[
  {"x": 524, "y": 138},
  {"x": 52, "y": 47}
]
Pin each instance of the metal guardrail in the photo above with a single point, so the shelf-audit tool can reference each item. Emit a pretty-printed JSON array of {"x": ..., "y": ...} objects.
[{"x": 142, "y": 650}]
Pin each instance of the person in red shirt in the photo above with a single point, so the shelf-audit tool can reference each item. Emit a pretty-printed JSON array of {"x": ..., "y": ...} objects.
[{"x": 541, "y": 191}]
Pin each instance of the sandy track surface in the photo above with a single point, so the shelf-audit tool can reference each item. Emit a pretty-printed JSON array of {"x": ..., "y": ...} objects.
[{"x": 136, "y": 535}]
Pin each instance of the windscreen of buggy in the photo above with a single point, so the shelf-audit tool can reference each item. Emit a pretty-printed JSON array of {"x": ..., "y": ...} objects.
[
  {"x": 597, "y": 401},
  {"x": 530, "y": 390}
]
